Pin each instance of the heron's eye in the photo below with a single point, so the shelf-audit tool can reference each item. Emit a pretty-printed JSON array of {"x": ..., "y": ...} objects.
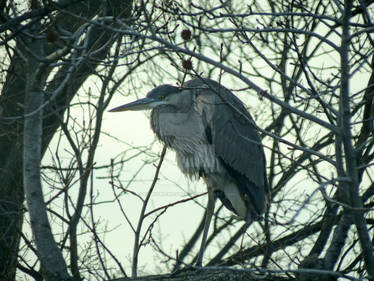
[{"x": 161, "y": 97}]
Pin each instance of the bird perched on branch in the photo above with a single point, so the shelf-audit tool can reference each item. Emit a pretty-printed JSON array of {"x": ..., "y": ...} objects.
[{"x": 214, "y": 138}]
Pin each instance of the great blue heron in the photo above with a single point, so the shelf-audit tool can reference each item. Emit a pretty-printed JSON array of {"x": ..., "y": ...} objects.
[{"x": 215, "y": 138}]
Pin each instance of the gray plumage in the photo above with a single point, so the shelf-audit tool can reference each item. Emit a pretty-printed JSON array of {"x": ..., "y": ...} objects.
[{"x": 215, "y": 138}]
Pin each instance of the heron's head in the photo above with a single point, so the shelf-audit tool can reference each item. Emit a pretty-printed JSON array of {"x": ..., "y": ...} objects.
[{"x": 161, "y": 95}]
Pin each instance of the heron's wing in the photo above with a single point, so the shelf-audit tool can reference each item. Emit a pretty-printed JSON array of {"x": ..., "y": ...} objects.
[{"x": 236, "y": 141}]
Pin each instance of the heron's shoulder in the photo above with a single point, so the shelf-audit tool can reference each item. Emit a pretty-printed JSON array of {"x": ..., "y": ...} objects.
[
  {"x": 207, "y": 89},
  {"x": 206, "y": 86},
  {"x": 200, "y": 82}
]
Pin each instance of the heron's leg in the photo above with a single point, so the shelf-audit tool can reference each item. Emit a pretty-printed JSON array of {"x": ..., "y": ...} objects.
[{"x": 208, "y": 218}]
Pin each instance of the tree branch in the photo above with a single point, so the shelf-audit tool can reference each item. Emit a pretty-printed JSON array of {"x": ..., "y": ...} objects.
[
  {"x": 349, "y": 154},
  {"x": 53, "y": 265}
]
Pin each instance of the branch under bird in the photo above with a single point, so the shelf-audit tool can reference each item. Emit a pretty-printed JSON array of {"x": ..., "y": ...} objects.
[{"x": 214, "y": 138}]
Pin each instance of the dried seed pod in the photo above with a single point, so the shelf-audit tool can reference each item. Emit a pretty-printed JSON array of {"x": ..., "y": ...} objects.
[
  {"x": 187, "y": 64},
  {"x": 186, "y": 34}
]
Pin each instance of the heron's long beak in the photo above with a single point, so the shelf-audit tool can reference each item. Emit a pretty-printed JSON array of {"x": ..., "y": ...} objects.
[{"x": 142, "y": 104}]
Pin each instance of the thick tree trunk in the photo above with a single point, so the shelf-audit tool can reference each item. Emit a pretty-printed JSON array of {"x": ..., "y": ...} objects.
[{"x": 11, "y": 187}]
